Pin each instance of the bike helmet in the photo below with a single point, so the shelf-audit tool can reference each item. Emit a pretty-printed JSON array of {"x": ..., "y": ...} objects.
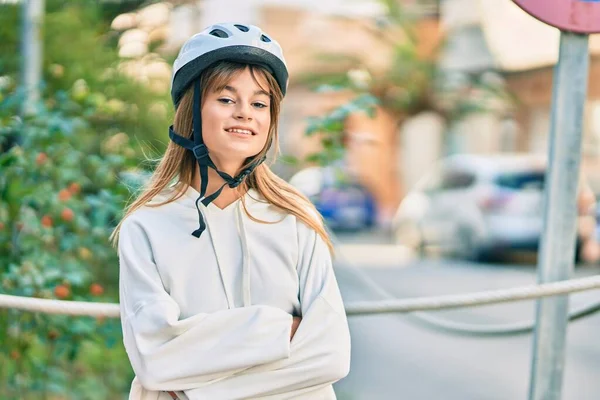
[
  {"x": 241, "y": 43},
  {"x": 233, "y": 42}
]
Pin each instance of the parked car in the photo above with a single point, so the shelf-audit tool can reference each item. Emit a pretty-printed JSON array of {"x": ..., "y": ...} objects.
[
  {"x": 344, "y": 204},
  {"x": 474, "y": 206}
]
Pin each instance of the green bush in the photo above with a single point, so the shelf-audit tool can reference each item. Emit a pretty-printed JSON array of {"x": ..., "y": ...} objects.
[
  {"x": 79, "y": 45},
  {"x": 67, "y": 172},
  {"x": 61, "y": 195}
]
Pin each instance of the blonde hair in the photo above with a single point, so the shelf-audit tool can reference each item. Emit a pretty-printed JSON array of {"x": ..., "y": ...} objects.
[{"x": 178, "y": 165}]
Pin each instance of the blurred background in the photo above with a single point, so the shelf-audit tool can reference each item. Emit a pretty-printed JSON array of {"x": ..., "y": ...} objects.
[{"x": 419, "y": 128}]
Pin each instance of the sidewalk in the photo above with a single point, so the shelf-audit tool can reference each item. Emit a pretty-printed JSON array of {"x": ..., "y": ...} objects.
[{"x": 371, "y": 249}]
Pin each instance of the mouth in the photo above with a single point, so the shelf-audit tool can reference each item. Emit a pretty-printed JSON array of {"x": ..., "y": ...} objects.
[{"x": 241, "y": 131}]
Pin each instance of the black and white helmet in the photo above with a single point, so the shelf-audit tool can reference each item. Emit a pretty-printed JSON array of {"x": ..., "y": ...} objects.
[{"x": 227, "y": 41}]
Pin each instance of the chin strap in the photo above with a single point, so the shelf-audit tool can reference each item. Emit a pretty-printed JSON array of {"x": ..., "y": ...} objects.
[{"x": 200, "y": 152}]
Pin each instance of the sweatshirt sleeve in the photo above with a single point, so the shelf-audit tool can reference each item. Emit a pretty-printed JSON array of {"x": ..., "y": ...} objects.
[
  {"x": 320, "y": 350},
  {"x": 172, "y": 353}
]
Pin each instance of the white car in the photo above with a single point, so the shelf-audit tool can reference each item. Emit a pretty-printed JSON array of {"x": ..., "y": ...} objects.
[{"x": 470, "y": 206}]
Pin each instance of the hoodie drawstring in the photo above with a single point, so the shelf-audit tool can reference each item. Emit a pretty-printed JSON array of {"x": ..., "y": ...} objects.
[
  {"x": 224, "y": 278},
  {"x": 245, "y": 256},
  {"x": 241, "y": 229}
]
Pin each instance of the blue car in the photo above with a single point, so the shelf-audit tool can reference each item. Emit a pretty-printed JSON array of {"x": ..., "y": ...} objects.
[{"x": 345, "y": 205}]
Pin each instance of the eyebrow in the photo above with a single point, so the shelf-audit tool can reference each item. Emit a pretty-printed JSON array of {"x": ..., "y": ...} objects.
[{"x": 234, "y": 90}]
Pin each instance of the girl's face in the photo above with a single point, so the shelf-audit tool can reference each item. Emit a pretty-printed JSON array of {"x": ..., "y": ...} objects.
[{"x": 236, "y": 120}]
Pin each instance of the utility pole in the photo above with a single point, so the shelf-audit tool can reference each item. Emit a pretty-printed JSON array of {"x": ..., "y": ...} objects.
[
  {"x": 557, "y": 252},
  {"x": 31, "y": 51}
]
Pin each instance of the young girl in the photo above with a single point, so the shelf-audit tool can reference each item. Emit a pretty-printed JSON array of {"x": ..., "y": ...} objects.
[{"x": 226, "y": 284}]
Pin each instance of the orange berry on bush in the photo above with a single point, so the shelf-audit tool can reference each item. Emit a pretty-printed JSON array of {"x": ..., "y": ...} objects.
[
  {"x": 15, "y": 355},
  {"x": 47, "y": 221},
  {"x": 1, "y": 226},
  {"x": 84, "y": 253},
  {"x": 67, "y": 215},
  {"x": 74, "y": 188},
  {"x": 41, "y": 159},
  {"x": 64, "y": 195},
  {"x": 96, "y": 289},
  {"x": 61, "y": 291}
]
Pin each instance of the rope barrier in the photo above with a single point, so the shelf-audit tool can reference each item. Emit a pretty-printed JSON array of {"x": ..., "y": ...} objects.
[
  {"x": 111, "y": 310},
  {"x": 473, "y": 329},
  {"x": 48, "y": 306},
  {"x": 474, "y": 299}
]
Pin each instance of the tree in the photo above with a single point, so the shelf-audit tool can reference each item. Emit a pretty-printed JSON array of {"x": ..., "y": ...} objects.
[
  {"x": 89, "y": 64},
  {"x": 413, "y": 83}
]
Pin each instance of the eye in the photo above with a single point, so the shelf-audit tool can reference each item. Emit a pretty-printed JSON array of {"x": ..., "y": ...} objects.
[
  {"x": 260, "y": 105},
  {"x": 225, "y": 100}
]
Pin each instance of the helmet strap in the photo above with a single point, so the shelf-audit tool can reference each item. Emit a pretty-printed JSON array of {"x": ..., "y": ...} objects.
[{"x": 200, "y": 152}]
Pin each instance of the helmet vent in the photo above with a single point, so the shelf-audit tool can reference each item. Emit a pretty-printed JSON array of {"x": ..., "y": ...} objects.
[
  {"x": 219, "y": 33},
  {"x": 242, "y": 28},
  {"x": 265, "y": 38}
]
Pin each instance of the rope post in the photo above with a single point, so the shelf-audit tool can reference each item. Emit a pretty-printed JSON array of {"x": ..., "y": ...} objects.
[{"x": 557, "y": 249}]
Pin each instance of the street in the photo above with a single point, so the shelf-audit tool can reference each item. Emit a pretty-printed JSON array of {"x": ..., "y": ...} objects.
[{"x": 397, "y": 357}]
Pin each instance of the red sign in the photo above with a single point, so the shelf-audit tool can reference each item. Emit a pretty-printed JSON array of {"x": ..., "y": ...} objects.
[{"x": 582, "y": 16}]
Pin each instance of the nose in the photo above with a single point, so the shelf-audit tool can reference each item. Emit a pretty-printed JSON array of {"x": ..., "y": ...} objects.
[{"x": 243, "y": 112}]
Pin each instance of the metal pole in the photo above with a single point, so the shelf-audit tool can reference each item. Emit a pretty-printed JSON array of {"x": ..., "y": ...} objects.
[
  {"x": 557, "y": 250},
  {"x": 33, "y": 11}
]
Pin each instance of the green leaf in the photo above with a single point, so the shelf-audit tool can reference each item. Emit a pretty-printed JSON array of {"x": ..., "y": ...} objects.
[
  {"x": 313, "y": 158},
  {"x": 289, "y": 159}
]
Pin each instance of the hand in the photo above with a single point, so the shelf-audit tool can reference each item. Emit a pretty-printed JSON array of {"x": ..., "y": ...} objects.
[{"x": 295, "y": 323}]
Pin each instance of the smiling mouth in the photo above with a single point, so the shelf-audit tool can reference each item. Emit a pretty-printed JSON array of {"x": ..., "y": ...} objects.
[{"x": 240, "y": 131}]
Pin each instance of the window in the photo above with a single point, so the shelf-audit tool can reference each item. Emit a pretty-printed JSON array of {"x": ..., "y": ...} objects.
[
  {"x": 530, "y": 180},
  {"x": 456, "y": 179}
]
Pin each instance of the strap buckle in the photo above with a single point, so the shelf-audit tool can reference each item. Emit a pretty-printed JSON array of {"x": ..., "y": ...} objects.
[{"x": 200, "y": 151}]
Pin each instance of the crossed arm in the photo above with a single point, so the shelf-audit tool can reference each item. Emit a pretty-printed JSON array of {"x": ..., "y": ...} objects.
[{"x": 256, "y": 351}]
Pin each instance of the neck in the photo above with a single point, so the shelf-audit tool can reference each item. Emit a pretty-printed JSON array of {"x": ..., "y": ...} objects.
[{"x": 230, "y": 167}]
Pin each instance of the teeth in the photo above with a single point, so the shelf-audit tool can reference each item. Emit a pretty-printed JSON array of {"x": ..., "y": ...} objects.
[{"x": 243, "y": 131}]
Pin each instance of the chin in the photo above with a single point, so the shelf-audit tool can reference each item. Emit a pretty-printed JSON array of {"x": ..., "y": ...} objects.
[
  {"x": 242, "y": 152},
  {"x": 239, "y": 155},
  {"x": 235, "y": 154}
]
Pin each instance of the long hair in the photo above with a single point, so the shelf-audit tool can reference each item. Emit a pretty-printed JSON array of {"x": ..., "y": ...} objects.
[{"x": 178, "y": 165}]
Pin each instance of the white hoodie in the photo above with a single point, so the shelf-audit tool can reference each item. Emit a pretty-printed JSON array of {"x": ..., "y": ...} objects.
[{"x": 210, "y": 317}]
